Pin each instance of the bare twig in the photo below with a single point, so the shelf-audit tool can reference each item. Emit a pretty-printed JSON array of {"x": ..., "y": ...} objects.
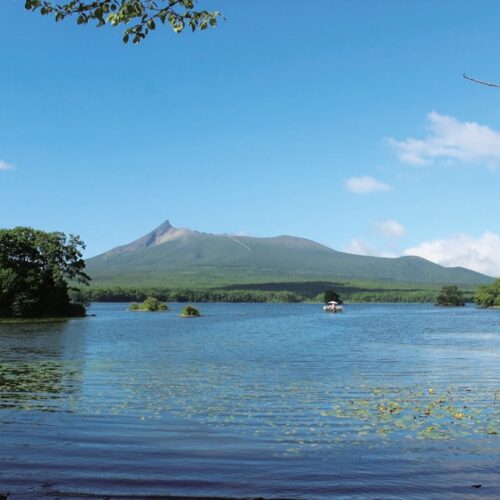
[{"x": 482, "y": 82}]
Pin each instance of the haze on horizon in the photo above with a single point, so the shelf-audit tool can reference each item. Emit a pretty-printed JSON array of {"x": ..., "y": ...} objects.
[{"x": 355, "y": 129}]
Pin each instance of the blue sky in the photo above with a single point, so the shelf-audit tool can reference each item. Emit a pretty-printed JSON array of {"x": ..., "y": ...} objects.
[{"x": 347, "y": 122}]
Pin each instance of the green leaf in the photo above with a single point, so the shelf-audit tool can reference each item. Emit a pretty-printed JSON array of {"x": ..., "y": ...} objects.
[{"x": 142, "y": 13}]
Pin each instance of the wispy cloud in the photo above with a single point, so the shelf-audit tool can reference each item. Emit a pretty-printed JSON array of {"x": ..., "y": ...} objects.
[
  {"x": 450, "y": 140},
  {"x": 6, "y": 166},
  {"x": 389, "y": 228},
  {"x": 365, "y": 184},
  {"x": 480, "y": 254},
  {"x": 361, "y": 247}
]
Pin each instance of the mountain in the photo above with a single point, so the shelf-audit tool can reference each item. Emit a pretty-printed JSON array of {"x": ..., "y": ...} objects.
[{"x": 168, "y": 256}]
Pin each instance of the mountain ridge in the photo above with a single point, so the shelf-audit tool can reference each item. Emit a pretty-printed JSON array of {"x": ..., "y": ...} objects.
[{"x": 168, "y": 253}]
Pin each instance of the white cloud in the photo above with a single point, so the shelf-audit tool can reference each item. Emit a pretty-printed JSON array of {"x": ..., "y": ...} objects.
[
  {"x": 360, "y": 247},
  {"x": 390, "y": 228},
  {"x": 451, "y": 140},
  {"x": 5, "y": 166},
  {"x": 365, "y": 184},
  {"x": 480, "y": 254}
]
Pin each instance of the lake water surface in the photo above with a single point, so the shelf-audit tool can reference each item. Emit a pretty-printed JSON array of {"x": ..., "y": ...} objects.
[{"x": 253, "y": 400}]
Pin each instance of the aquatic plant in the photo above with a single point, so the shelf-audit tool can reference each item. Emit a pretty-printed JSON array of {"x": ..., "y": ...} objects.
[{"x": 420, "y": 413}]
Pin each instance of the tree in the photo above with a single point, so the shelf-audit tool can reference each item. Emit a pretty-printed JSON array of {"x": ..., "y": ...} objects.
[
  {"x": 145, "y": 14},
  {"x": 488, "y": 295},
  {"x": 331, "y": 295},
  {"x": 35, "y": 268},
  {"x": 450, "y": 296}
]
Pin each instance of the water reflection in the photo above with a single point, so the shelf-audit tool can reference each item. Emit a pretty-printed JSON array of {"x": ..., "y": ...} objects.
[{"x": 41, "y": 365}]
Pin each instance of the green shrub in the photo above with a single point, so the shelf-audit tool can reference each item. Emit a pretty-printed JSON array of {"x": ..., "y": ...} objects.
[
  {"x": 151, "y": 304},
  {"x": 190, "y": 311}
]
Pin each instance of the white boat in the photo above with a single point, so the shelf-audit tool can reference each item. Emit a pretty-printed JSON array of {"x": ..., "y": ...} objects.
[{"x": 333, "y": 307}]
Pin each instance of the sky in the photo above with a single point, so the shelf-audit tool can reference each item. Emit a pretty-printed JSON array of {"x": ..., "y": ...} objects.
[{"x": 346, "y": 122}]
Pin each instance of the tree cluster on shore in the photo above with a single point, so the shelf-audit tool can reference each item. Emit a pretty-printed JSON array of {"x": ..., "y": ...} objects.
[
  {"x": 35, "y": 268},
  {"x": 488, "y": 295},
  {"x": 450, "y": 296}
]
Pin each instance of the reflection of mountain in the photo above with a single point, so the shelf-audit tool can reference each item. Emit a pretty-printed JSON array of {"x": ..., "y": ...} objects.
[
  {"x": 184, "y": 257},
  {"x": 41, "y": 365}
]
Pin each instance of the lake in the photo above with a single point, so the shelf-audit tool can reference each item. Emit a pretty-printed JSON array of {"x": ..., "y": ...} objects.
[{"x": 253, "y": 400}]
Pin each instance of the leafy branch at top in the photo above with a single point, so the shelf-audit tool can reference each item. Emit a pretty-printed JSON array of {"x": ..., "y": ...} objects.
[{"x": 145, "y": 14}]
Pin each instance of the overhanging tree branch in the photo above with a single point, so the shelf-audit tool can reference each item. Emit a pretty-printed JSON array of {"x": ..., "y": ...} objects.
[
  {"x": 482, "y": 82},
  {"x": 179, "y": 14}
]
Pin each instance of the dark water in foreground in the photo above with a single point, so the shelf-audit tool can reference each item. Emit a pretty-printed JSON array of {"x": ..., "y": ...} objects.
[{"x": 387, "y": 401}]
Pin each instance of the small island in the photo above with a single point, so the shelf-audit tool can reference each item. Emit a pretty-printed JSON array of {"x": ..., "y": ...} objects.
[
  {"x": 189, "y": 312},
  {"x": 450, "y": 296},
  {"x": 151, "y": 304}
]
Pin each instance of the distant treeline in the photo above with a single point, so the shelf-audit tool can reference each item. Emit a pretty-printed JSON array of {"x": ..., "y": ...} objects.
[
  {"x": 403, "y": 297},
  {"x": 122, "y": 294},
  {"x": 408, "y": 297},
  {"x": 167, "y": 295}
]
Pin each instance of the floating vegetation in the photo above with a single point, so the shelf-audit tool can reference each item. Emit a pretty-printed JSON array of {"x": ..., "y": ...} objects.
[
  {"x": 39, "y": 385},
  {"x": 419, "y": 413},
  {"x": 410, "y": 416},
  {"x": 304, "y": 415}
]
